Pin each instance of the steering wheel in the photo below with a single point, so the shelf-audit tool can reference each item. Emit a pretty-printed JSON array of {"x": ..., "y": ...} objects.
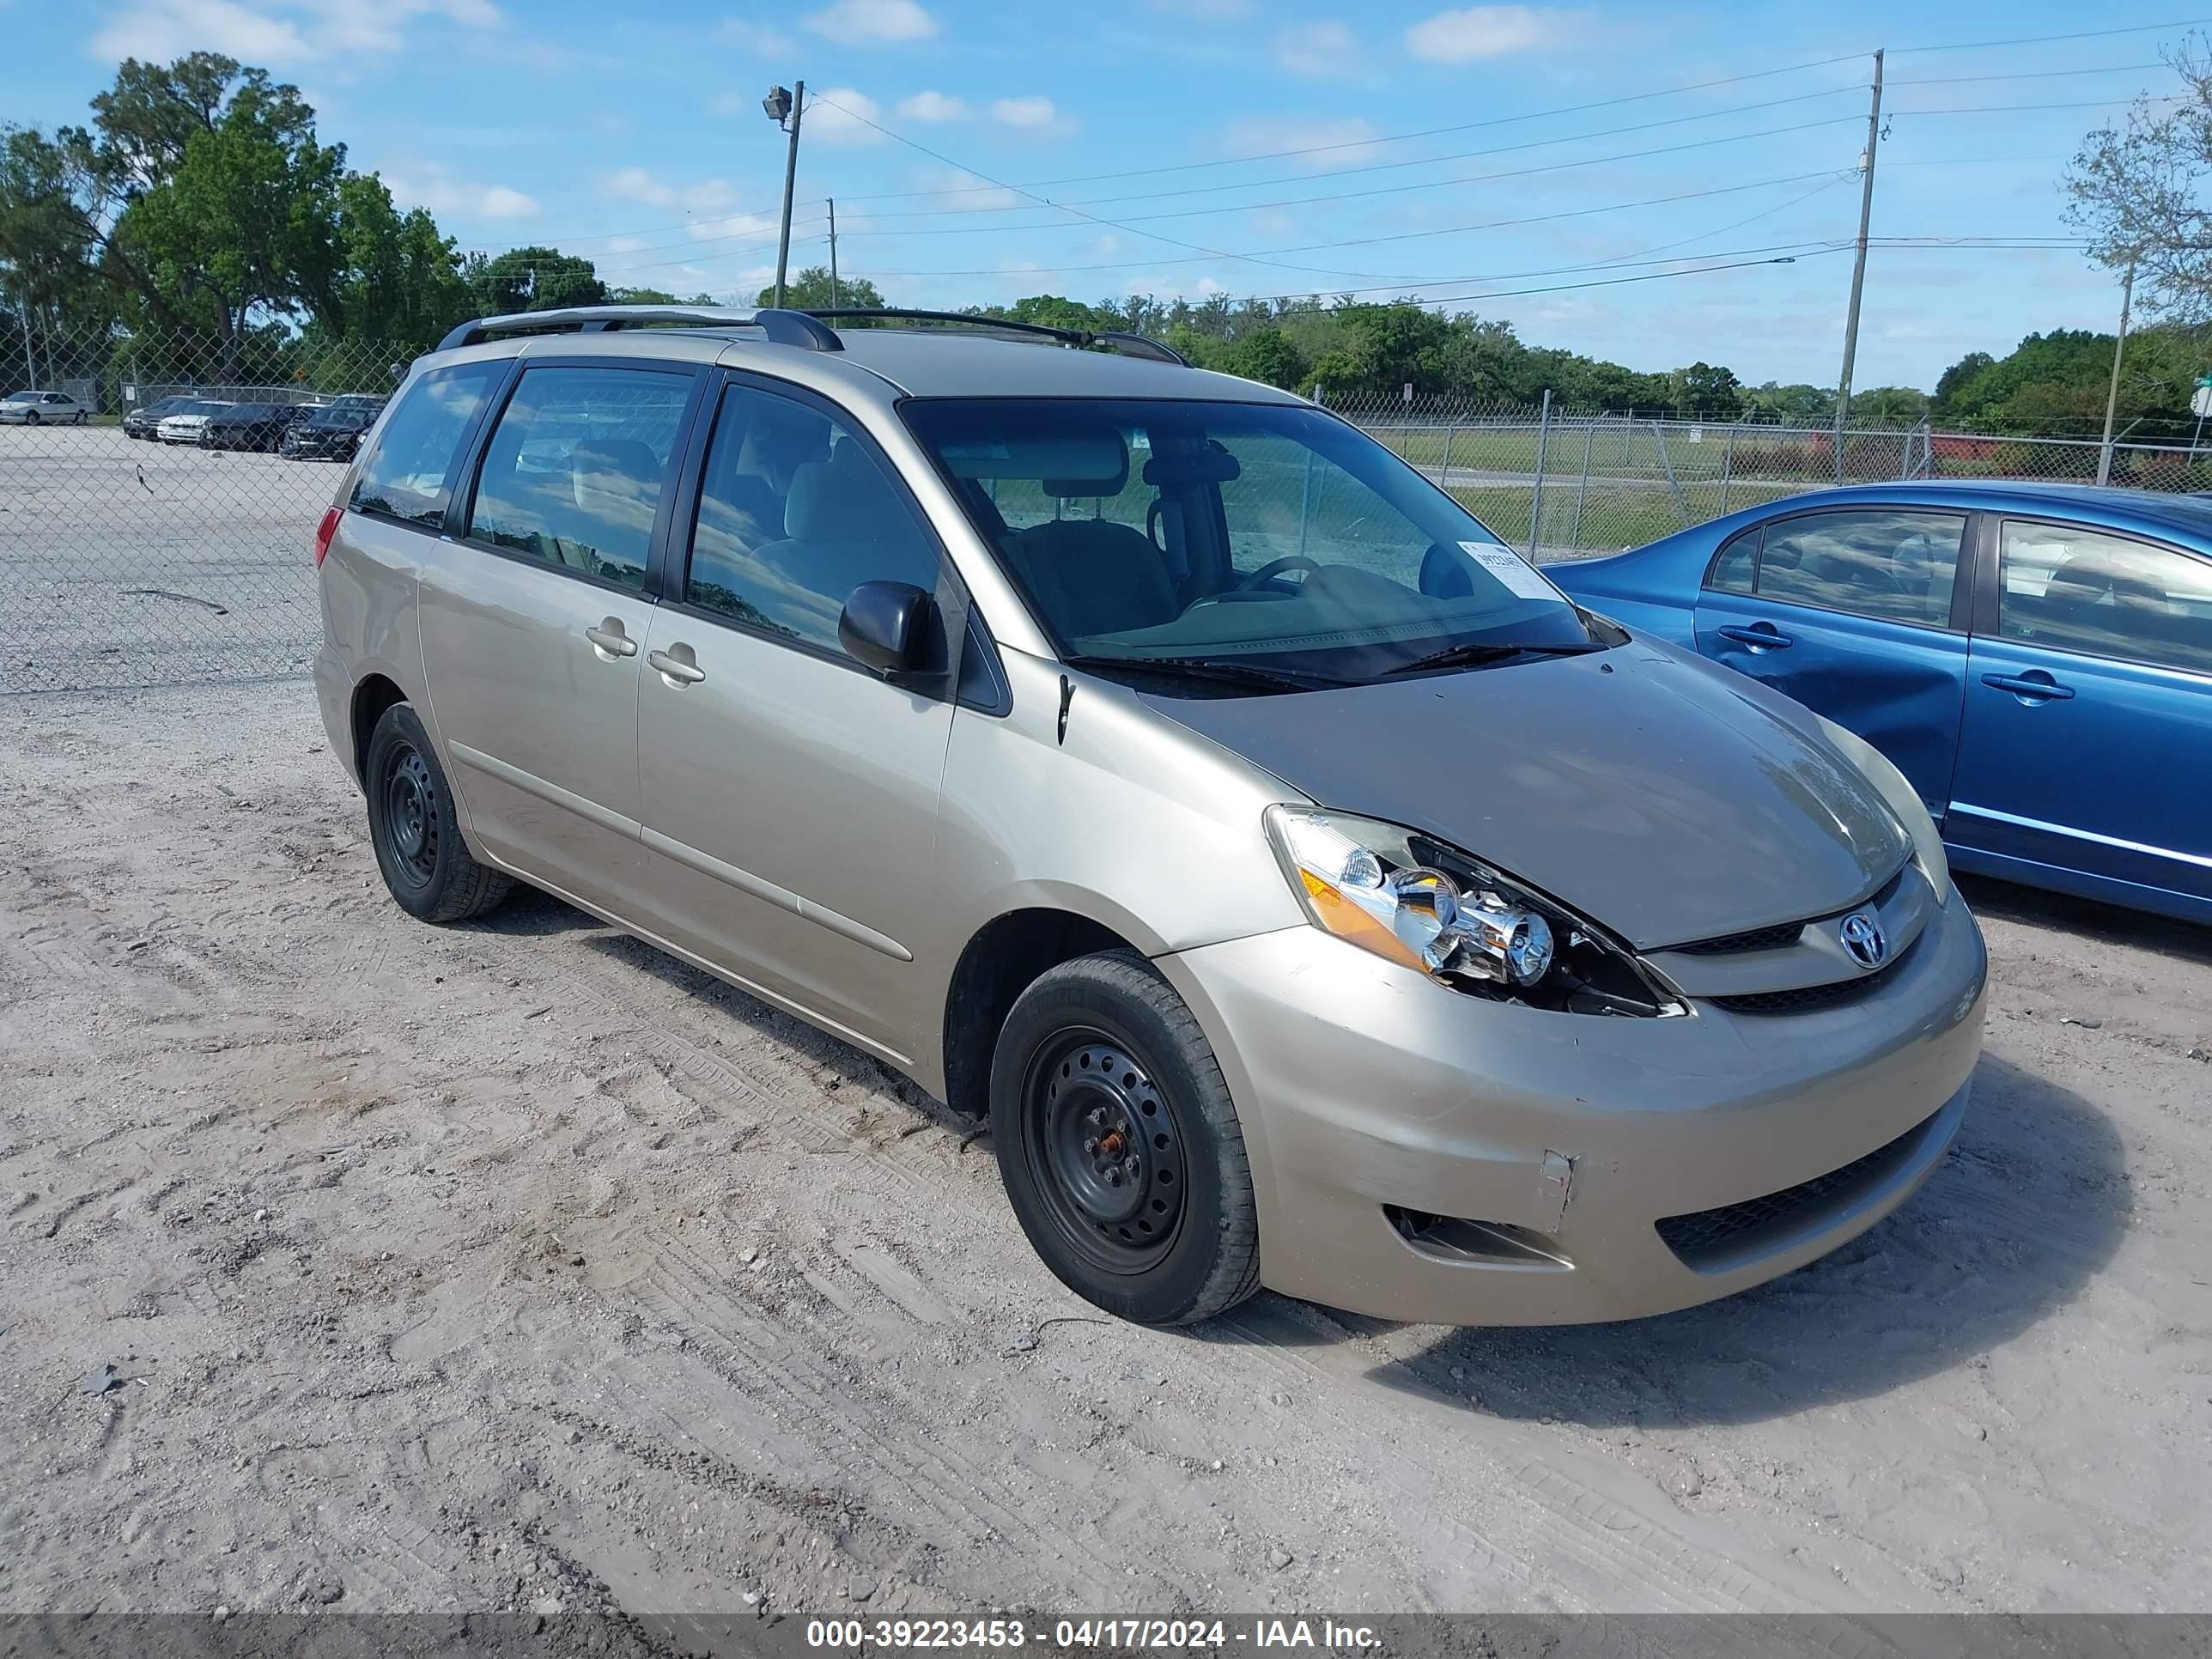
[{"x": 1274, "y": 567}]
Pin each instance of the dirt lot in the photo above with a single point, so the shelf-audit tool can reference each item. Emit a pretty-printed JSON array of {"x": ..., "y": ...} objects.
[{"x": 485, "y": 1268}]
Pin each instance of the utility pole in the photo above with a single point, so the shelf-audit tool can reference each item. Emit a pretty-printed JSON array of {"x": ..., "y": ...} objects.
[
  {"x": 785, "y": 109},
  {"x": 2112, "y": 392},
  {"x": 1858, "y": 265},
  {"x": 834, "y": 300}
]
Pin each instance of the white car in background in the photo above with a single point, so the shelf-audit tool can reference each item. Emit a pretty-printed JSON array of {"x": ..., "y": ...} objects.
[
  {"x": 42, "y": 409},
  {"x": 185, "y": 426}
]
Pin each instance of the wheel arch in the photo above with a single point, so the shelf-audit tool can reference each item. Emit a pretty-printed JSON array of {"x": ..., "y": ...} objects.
[
  {"x": 1000, "y": 960},
  {"x": 373, "y": 693}
]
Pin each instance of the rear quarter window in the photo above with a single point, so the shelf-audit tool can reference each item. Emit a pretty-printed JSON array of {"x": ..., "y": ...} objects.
[{"x": 409, "y": 476}]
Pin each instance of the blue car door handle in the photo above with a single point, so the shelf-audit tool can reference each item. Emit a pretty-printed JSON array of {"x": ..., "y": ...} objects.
[
  {"x": 1766, "y": 636},
  {"x": 2032, "y": 687}
]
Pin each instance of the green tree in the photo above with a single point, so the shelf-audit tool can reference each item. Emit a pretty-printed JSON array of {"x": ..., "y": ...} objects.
[
  {"x": 1942, "y": 406},
  {"x": 808, "y": 290},
  {"x": 534, "y": 279},
  {"x": 398, "y": 278},
  {"x": 1799, "y": 403},
  {"x": 1267, "y": 355},
  {"x": 2142, "y": 191},
  {"x": 1706, "y": 392},
  {"x": 1889, "y": 405}
]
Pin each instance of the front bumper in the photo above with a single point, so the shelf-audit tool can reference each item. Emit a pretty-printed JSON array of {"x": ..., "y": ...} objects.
[{"x": 1367, "y": 1091}]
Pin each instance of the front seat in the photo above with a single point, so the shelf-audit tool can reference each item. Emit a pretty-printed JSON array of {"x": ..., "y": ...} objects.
[
  {"x": 1093, "y": 575},
  {"x": 842, "y": 528}
]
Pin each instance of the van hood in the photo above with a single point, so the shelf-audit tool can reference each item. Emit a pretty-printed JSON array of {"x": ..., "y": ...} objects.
[{"x": 1657, "y": 794}]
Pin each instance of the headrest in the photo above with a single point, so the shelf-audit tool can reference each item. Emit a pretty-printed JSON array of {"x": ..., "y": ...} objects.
[
  {"x": 2087, "y": 577},
  {"x": 1087, "y": 462},
  {"x": 1213, "y": 464},
  {"x": 839, "y": 500}
]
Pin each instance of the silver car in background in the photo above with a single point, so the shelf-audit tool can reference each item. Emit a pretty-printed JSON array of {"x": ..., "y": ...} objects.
[
  {"x": 188, "y": 425},
  {"x": 1145, "y": 760}
]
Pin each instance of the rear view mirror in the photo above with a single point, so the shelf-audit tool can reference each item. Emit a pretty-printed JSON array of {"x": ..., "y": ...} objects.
[{"x": 888, "y": 626}]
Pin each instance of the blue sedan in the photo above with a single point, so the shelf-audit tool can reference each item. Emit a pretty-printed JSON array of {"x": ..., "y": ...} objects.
[{"x": 2036, "y": 659}]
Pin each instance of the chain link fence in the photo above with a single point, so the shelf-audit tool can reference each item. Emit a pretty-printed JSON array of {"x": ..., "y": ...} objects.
[
  {"x": 157, "y": 530},
  {"x": 1560, "y": 483}
]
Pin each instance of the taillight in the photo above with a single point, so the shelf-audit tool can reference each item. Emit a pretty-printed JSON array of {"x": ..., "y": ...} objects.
[{"x": 325, "y": 531}]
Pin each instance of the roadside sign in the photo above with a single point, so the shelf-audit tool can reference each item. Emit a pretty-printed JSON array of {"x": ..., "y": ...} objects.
[
  {"x": 2200, "y": 401},
  {"x": 1408, "y": 393},
  {"x": 1697, "y": 435}
]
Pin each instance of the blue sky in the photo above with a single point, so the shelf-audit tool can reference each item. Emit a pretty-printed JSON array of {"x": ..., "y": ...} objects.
[{"x": 634, "y": 134}]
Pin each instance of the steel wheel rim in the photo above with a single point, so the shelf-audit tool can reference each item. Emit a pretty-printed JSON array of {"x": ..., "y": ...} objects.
[
  {"x": 1105, "y": 1151},
  {"x": 410, "y": 816}
]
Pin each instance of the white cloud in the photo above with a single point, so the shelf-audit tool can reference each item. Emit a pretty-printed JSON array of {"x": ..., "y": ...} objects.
[
  {"x": 873, "y": 21},
  {"x": 1273, "y": 221},
  {"x": 1319, "y": 51},
  {"x": 1345, "y": 141},
  {"x": 953, "y": 190},
  {"x": 732, "y": 226},
  {"x": 443, "y": 195},
  {"x": 636, "y": 185},
  {"x": 1212, "y": 11},
  {"x": 1478, "y": 31},
  {"x": 1033, "y": 112},
  {"x": 839, "y": 115},
  {"x": 764, "y": 38},
  {"x": 276, "y": 32},
  {"x": 933, "y": 106}
]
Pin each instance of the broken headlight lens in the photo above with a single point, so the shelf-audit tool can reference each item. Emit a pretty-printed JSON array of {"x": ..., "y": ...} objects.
[{"x": 1416, "y": 901}]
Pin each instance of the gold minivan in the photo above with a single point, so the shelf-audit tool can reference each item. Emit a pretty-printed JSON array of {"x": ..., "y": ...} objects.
[{"x": 1307, "y": 891}]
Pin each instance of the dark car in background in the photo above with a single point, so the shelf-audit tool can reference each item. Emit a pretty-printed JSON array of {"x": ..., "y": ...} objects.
[
  {"x": 140, "y": 422},
  {"x": 333, "y": 432},
  {"x": 248, "y": 426}
]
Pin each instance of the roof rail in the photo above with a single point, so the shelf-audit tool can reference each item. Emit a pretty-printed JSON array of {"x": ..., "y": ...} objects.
[
  {"x": 1129, "y": 345},
  {"x": 793, "y": 328}
]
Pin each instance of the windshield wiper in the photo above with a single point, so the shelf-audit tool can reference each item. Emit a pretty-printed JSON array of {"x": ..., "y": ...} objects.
[
  {"x": 1214, "y": 668},
  {"x": 1469, "y": 651}
]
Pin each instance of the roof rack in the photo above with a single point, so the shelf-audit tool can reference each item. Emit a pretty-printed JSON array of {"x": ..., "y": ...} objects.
[
  {"x": 1129, "y": 345},
  {"x": 795, "y": 328}
]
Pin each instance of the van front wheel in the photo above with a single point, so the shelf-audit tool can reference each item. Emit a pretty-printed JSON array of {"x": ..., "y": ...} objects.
[{"x": 1119, "y": 1145}]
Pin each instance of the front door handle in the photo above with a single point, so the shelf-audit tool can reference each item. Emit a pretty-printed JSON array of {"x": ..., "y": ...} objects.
[
  {"x": 1766, "y": 636},
  {"x": 608, "y": 638},
  {"x": 2033, "y": 687},
  {"x": 678, "y": 669}
]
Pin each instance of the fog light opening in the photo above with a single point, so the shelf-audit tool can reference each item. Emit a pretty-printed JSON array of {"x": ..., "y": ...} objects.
[{"x": 1470, "y": 1243}]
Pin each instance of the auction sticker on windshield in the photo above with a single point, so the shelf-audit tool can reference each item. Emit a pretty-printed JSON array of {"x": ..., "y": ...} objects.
[{"x": 1503, "y": 563}]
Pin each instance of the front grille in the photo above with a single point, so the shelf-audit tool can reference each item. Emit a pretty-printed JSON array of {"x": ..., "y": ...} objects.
[
  {"x": 1706, "y": 1239},
  {"x": 1782, "y": 932},
  {"x": 1758, "y": 938},
  {"x": 1807, "y": 998}
]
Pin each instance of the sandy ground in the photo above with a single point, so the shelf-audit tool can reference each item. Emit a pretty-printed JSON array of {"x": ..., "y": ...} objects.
[{"x": 489, "y": 1268}]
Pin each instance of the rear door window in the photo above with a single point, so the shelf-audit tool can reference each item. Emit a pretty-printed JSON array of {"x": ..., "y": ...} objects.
[
  {"x": 575, "y": 469},
  {"x": 1872, "y": 562},
  {"x": 410, "y": 475}
]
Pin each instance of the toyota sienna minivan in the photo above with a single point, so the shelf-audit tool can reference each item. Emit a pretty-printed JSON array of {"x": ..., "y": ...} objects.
[{"x": 1305, "y": 890}]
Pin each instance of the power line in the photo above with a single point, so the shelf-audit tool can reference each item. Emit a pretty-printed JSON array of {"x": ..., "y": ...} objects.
[
  {"x": 1354, "y": 143},
  {"x": 1382, "y": 189},
  {"x": 1828, "y": 174},
  {"x": 1390, "y": 166},
  {"x": 2023, "y": 75},
  {"x": 1210, "y": 253},
  {"x": 2014, "y": 109},
  {"x": 2046, "y": 39}
]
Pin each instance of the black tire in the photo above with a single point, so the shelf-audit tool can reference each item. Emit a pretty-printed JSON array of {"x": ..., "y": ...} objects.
[
  {"x": 411, "y": 823},
  {"x": 82, "y": 418},
  {"x": 30, "y": 417},
  {"x": 1100, "y": 1071}
]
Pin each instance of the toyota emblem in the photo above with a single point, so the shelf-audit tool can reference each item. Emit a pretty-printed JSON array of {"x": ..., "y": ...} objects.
[{"x": 1861, "y": 936}]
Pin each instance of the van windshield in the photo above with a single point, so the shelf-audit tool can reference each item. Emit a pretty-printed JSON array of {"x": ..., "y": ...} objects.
[{"x": 1248, "y": 536}]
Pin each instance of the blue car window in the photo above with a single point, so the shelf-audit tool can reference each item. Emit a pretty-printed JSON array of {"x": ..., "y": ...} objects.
[
  {"x": 2106, "y": 596},
  {"x": 1732, "y": 571},
  {"x": 1872, "y": 562}
]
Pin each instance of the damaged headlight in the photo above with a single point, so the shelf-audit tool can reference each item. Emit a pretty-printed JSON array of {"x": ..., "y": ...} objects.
[{"x": 1414, "y": 900}]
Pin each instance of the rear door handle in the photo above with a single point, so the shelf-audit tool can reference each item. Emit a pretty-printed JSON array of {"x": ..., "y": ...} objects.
[
  {"x": 676, "y": 668},
  {"x": 1765, "y": 637},
  {"x": 613, "y": 640},
  {"x": 2034, "y": 686}
]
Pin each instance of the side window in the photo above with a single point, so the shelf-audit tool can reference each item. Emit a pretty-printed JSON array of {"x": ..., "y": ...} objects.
[
  {"x": 2078, "y": 590},
  {"x": 1732, "y": 571},
  {"x": 411, "y": 474},
  {"x": 793, "y": 515},
  {"x": 574, "y": 471},
  {"x": 1874, "y": 562}
]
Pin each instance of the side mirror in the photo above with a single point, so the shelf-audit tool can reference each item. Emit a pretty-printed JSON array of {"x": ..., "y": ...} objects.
[{"x": 887, "y": 626}]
